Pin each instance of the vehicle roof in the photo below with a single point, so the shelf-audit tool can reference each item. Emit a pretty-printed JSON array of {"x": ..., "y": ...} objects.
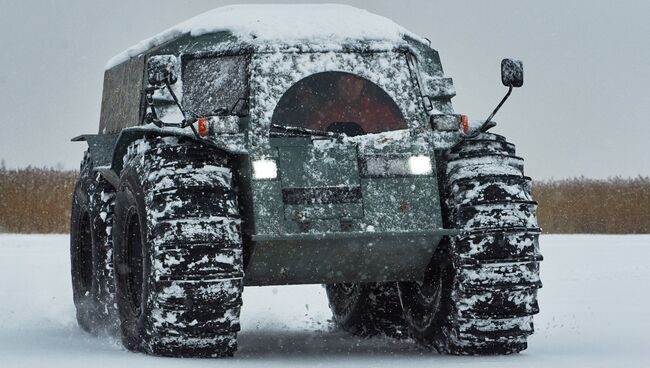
[{"x": 313, "y": 27}]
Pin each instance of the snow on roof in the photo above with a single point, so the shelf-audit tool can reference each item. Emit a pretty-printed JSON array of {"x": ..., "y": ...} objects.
[{"x": 326, "y": 24}]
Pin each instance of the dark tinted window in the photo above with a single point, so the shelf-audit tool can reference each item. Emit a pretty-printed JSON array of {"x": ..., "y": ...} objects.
[
  {"x": 214, "y": 85},
  {"x": 338, "y": 102}
]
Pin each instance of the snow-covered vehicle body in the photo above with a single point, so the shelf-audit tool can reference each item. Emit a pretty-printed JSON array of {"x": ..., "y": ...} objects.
[
  {"x": 299, "y": 229},
  {"x": 326, "y": 141}
]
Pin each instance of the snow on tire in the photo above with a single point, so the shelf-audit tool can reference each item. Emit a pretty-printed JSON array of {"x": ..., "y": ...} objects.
[
  {"x": 177, "y": 225},
  {"x": 103, "y": 202},
  {"x": 480, "y": 292}
]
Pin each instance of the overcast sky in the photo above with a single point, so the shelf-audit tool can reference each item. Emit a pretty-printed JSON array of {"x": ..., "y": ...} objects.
[{"x": 584, "y": 108}]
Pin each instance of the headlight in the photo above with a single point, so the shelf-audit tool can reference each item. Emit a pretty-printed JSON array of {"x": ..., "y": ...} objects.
[
  {"x": 265, "y": 169},
  {"x": 420, "y": 165}
]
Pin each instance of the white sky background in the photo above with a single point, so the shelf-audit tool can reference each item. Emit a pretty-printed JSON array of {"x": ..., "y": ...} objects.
[{"x": 584, "y": 108}]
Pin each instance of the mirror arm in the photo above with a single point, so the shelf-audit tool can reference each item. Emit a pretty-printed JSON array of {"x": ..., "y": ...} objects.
[
  {"x": 486, "y": 125},
  {"x": 152, "y": 116},
  {"x": 186, "y": 121},
  {"x": 499, "y": 105}
]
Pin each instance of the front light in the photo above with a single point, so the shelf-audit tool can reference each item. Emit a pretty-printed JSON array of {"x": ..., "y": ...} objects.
[
  {"x": 420, "y": 165},
  {"x": 265, "y": 169}
]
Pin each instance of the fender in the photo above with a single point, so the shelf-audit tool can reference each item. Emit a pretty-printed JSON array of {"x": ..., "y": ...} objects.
[{"x": 107, "y": 150}]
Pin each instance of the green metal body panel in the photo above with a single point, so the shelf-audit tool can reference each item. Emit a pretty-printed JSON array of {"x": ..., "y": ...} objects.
[{"x": 341, "y": 257}]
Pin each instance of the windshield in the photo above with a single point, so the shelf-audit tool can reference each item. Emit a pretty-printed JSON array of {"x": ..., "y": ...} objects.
[{"x": 338, "y": 102}]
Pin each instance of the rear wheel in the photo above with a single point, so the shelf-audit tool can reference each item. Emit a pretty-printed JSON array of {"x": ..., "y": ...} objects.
[
  {"x": 480, "y": 291},
  {"x": 178, "y": 250}
]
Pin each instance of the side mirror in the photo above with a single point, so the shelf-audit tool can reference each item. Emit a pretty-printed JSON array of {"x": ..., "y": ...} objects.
[
  {"x": 162, "y": 69},
  {"x": 512, "y": 73}
]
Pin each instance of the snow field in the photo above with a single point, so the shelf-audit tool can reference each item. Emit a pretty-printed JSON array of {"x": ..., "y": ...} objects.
[{"x": 595, "y": 312}]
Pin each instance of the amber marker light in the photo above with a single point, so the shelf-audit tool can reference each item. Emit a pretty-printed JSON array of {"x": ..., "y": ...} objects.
[
  {"x": 465, "y": 123},
  {"x": 202, "y": 125}
]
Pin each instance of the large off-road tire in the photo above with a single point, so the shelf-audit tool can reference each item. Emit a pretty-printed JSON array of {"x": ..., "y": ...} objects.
[
  {"x": 83, "y": 241},
  {"x": 177, "y": 250},
  {"x": 367, "y": 309},
  {"x": 480, "y": 292}
]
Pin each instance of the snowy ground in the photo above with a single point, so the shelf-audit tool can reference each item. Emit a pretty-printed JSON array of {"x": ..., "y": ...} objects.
[{"x": 595, "y": 313}]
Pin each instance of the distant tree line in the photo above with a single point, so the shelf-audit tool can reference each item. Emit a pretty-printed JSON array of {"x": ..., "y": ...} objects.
[
  {"x": 37, "y": 200},
  {"x": 581, "y": 205}
]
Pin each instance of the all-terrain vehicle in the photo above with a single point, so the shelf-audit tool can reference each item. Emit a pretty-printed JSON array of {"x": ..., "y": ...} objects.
[{"x": 274, "y": 145}]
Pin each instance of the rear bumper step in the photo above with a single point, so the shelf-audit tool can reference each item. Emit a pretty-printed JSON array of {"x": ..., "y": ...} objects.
[
  {"x": 341, "y": 257},
  {"x": 348, "y": 235}
]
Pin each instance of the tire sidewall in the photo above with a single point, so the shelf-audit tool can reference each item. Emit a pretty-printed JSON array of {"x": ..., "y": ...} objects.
[
  {"x": 130, "y": 199},
  {"x": 348, "y": 308},
  {"x": 432, "y": 331}
]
